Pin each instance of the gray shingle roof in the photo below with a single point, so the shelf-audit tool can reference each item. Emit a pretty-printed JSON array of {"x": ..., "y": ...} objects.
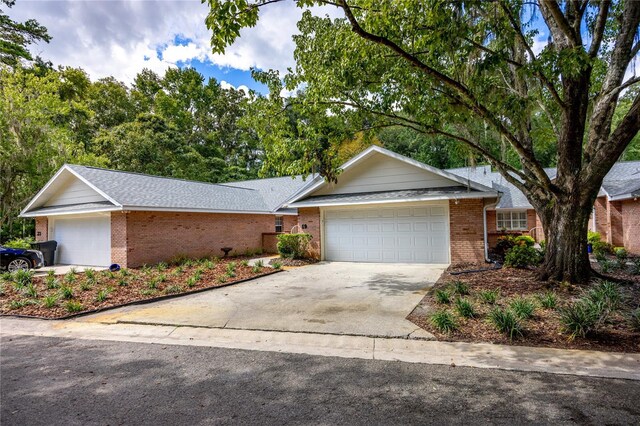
[
  {"x": 274, "y": 191},
  {"x": 622, "y": 179},
  {"x": 145, "y": 191},
  {"x": 383, "y": 196}
]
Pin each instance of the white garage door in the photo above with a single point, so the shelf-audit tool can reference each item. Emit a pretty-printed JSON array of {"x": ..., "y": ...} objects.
[
  {"x": 83, "y": 241},
  {"x": 388, "y": 234}
]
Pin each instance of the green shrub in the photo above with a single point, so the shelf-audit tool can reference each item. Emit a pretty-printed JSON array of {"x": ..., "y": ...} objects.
[
  {"x": 91, "y": 274},
  {"x": 52, "y": 282},
  {"x": 123, "y": 282},
  {"x": 103, "y": 295},
  {"x": 634, "y": 319},
  {"x": 605, "y": 266},
  {"x": 70, "y": 277},
  {"x": 489, "y": 296},
  {"x": 602, "y": 248},
  {"x": 244, "y": 263},
  {"x": 543, "y": 246},
  {"x": 51, "y": 273},
  {"x": 444, "y": 321},
  {"x": 525, "y": 240},
  {"x": 197, "y": 275},
  {"x": 74, "y": 306},
  {"x": 593, "y": 237},
  {"x": 22, "y": 278},
  {"x": 191, "y": 282},
  {"x": 276, "y": 265},
  {"x": 621, "y": 253},
  {"x": 522, "y": 307},
  {"x": 50, "y": 301},
  {"x": 259, "y": 263},
  {"x": 209, "y": 264},
  {"x": 460, "y": 287},
  {"x": 231, "y": 267},
  {"x": 443, "y": 297},
  {"x": 293, "y": 245},
  {"x": 506, "y": 322},
  {"x": 635, "y": 267},
  {"x": 152, "y": 283},
  {"x": 607, "y": 295},
  {"x": 579, "y": 318},
  {"x": 172, "y": 289},
  {"x": 162, "y": 266},
  {"x": 66, "y": 292},
  {"x": 17, "y": 304},
  {"x": 85, "y": 285},
  {"x": 124, "y": 272},
  {"x": 19, "y": 243},
  {"x": 522, "y": 257},
  {"x": 161, "y": 278},
  {"x": 464, "y": 308},
  {"x": 255, "y": 269},
  {"x": 548, "y": 300},
  {"x": 30, "y": 290}
]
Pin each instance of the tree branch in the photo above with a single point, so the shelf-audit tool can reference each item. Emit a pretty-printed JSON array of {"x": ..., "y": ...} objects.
[
  {"x": 598, "y": 29},
  {"x": 560, "y": 20}
]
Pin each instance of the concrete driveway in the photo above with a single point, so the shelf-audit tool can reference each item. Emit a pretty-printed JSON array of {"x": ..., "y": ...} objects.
[{"x": 329, "y": 297}]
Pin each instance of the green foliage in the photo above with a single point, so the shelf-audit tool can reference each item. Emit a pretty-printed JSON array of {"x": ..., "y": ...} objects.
[
  {"x": 607, "y": 295},
  {"x": 70, "y": 277},
  {"x": 524, "y": 240},
  {"x": 222, "y": 279},
  {"x": 152, "y": 283},
  {"x": 442, "y": 296},
  {"x": 19, "y": 243},
  {"x": 231, "y": 269},
  {"x": 73, "y": 306},
  {"x": 635, "y": 266},
  {"x": 103, "y": 295},
  {"x": 276, "y": 265},
  {"x": 444, "y": 321},
  {"x": 259, "y": 263},
  {"x": 50, "y": 301},
  {"x": 601, "y": 248},
  {"x": 51, "y": 282},
  {"x": 489, "y": 296},
  {"x": 464, "y": 308},
  {"x": 293, "y": 245},
  {"x": 22, "y": 278},
  {"x": 255, "y": 269},
  {"x": 522, "y": 256},
  {"x": 66, "y": 292},
  {"x": 634, "y": 319},
  {"x": 547, "y": 300},
  {"x": 460, "y": 287},
  {"x": 162, "y": 266},
  {"x": 605, "y": 266},
  {"x": 85, "y": 285},
  {"x": 123, "y": 282},
  {"x": 16, "y": 37},
  {"x": 172, "y": 289},
  {"x": 522, "y": 307},
  {"x": 593, "y": 237},
  {"x": 506, "y": 322},
  {"x": 579, "y": 318},
  {"x": 161, "y": 278},
  {"x": 30, "y": 290},
  {"x": 244, "y": 263},
  {"x": 191, "y": 282}
]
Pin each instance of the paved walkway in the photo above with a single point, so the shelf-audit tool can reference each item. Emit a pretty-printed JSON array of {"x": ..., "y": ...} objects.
[
  {"x": 364, "y": 299},
  {"x": 576, "y": 362}
]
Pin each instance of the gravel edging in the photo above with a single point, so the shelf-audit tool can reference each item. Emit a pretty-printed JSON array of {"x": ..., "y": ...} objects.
[{"x": 143, "y": 301}]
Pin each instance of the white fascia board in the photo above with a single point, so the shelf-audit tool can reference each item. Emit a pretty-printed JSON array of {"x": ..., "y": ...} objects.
[
  {"x": 312, "y": 182},
  {"x": 627, "y": 196},
  {"x": 64, "y": 213},
  {"x": 194, "y": 210},
  {"x": 402, "y": 200}
]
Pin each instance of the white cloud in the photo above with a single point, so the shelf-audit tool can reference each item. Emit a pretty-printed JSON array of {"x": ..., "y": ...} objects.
[
  {"x": 226, "y": 85},
  {"x": 120, "y": 37}
]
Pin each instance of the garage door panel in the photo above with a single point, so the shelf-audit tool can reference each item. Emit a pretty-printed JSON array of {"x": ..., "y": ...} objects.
[
  {"x": 83, "y": 241},
  {"x": 389, "y": 234}
]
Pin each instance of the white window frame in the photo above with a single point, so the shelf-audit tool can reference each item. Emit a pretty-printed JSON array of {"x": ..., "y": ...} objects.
[
  {"x": 279, "y": 224},
  {"x": 511, "y": 220}
]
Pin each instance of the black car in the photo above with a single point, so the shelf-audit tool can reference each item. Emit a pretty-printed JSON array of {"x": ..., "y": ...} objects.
[{"x": 14, "y": 259}]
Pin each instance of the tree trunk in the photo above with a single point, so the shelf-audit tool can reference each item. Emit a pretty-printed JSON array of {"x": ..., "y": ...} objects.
[{"x": 565, "y": 225}]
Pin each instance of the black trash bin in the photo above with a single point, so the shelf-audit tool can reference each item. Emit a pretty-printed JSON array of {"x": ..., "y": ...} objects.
[{"x": 48, "y": 249}]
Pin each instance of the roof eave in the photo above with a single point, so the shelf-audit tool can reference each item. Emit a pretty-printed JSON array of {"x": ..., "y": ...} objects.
[{"x": 439, "y": 197}]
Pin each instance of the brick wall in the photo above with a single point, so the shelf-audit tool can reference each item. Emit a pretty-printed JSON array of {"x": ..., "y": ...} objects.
[
  {"x": 631, "y": 225},
  {"x": 311, "y": 218},
  {"x": 615, "y": 236},
  {"x": 466, "y": 231},
  {"x": 153, "y": 237},
  {"x": 119, "y": 239},
  {"x": 532, "y": 222},
  {"x": 602, "y": 218},
  {"x": 42, "y": 228}
]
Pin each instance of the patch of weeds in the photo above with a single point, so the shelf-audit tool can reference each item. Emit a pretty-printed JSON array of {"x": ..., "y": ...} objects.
[
  {"x": 489, "y": 296},
  {"x": 73, "y": 271},
  {"x": 161, "y": 278},
  {"x": 72, "y": 306},
  {"x": 162, "y": 266},
  {"x": 6, "y": 277},
  {"x": 197, "y": 274},
  {"x": 209, "y": 264},
  {"x": 188, "y": 263},
  {"x": 70, "y": 277},
  {"x": 277, "y": 265},
  {"x": 30, "y": 290},
  {"x": 222, "y": 279},
  {"x": 52, "y": 282},
  {"x": 259, "y": 263},
  {"x": 145, "y": 269},
  {"x": 444, "y": 321},
  {"x": 50, "y": 301},
  {"x": 103, "y": 295},
  {"x": 464, "y": 308},
  {"x": 460, "y": 287},
  {"x": 152, "y": 283},
  {"x": 506, "y": 322},
  {"x": 19, "y": 303},
  {"x": 172, "y": 289},
  {"x": 148, "y": 292},
  {"x": 443, "y": 297},
  {"x": 244, "y": 263},
  {"x": 191, "y": 282},
  {"x": 178, "y": 271},
  {"x": 231, "y": 267},
  {"x": 123, "y": 282},
  {"x": 522, "y": 307},
  {"x": 255, "y": 269},
  {"x": 634, "y": 319},
  {"x": 66, "y": 292},
  {"x": 547, "y": 300}
]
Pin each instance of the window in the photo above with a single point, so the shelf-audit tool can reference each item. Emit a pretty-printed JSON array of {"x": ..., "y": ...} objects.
[
  {"x": 512, "y": 220},
  {"x": 278, "y": 223}
]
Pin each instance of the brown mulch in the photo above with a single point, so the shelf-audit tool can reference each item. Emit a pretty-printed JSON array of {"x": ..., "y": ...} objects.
[
  {"x": 285, "y": 261},
  {"x": 544, "y": 329},
  {"x": 137, "y": 288}
]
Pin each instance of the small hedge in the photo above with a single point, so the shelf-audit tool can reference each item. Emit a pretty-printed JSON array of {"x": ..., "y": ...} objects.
[
  {"x": 522, "y": 257},
  {"x": 293, "y": 246}
]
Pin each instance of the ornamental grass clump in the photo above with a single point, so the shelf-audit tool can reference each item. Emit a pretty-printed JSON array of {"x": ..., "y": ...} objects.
[
  {"x": 443, "y": 297},
  {"x": 464, "y": 308},
  {"x": 522, "y": 307},
  {"x": 460, "y": 288},
  {"x": 444, "y": 321},
  {"x": 489, "y": 296},
  {"x": 547, "y": 300},
  {"x": 506, "y": 322}
]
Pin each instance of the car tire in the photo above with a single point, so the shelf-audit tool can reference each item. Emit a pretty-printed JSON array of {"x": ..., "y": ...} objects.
[{"x": 19, "y": 263}]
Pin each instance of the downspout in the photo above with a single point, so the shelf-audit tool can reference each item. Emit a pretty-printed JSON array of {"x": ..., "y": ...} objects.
[{"x": 484, "y": 220}]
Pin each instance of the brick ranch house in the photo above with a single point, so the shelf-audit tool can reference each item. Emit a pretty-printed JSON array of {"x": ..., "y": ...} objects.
[{"x": 384, "y": 208}]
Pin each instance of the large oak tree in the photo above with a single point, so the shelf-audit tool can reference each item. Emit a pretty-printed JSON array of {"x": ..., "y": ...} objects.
[{"x": 477, "y": 72}]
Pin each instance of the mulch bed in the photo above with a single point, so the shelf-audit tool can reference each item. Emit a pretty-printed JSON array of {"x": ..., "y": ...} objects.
[
  {"x": 544, "y": 329},
  {"x": 285, "y": 261},
  {"x": 124, "y": 287}
]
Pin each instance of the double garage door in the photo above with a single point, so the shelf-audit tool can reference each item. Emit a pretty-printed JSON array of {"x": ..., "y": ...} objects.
[
  {"x": 82, "y": 240},
  {"x": 417, "y": 234}
]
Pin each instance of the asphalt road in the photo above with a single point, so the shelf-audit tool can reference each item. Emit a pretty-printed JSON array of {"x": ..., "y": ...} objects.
[{"x": 56, "y": 381}]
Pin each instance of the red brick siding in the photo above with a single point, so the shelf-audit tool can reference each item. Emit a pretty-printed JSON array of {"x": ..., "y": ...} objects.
[
  {"x": 602, "y": 218},
  {"x": 270, "y": 242},
  {"x": 615, "y": 223},
  {"x": 119, "y": 239},
  {"x": 631, "y": 225},
  {"x": 493, "y": 233},
  {"x": 311, "y": 218},
  {"x": 153, "y": 237},
  {"x": 466, "y": 231},
  {"x": 288, "y": 222},
  {"x": 42, "y": 228}
]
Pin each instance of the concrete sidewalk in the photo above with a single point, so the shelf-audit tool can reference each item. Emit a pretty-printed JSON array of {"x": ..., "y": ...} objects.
[{"x": 520, "y": 358}]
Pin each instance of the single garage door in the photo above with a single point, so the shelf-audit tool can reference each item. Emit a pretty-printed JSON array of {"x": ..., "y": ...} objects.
[
  {"x": 83, "y": 241},
  {"x": 388, "y": 234}
]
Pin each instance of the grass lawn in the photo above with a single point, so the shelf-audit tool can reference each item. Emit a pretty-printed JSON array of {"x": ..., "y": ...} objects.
[
  {"x": 511, "y": 306},
  {"x": 59, "y": 296}
]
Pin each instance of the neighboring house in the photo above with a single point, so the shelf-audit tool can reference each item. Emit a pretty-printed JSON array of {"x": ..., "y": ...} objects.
[
  {"x": 384, "y": 208},
  {"x": 616, "y": 214}
]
